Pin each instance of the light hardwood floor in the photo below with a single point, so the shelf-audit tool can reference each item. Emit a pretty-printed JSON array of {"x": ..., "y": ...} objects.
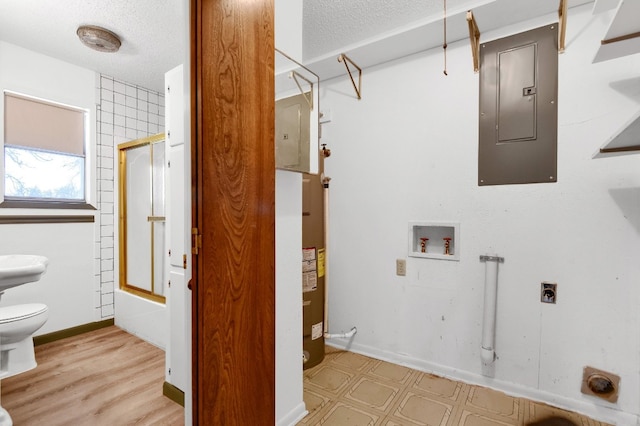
[{"x": 105, "y": 377}]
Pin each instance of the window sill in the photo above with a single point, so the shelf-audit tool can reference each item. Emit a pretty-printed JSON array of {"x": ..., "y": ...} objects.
[
  {"x": 39, "y": 204},
  {"x": 25, "y": 218},
  {"x": 30, "y": 217}
]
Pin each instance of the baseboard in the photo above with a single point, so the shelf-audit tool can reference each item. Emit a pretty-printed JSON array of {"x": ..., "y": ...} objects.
[
  {"x": 294, "y": 416},
  {"x": 173, "y": 393},
  {"x": 597, "y": 412},
  {"x": 70, "y": 332}
]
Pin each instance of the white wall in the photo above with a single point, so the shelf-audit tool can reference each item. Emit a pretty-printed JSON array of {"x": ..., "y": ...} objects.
[
  {"x": 288, "y": 23},
  {"x": 68, "y": 287},
  {"x": 408, "y": 151},
  {"x": 289, "y": 402}
]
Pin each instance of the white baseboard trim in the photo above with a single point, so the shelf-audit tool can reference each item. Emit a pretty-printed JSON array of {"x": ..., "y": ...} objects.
[
  {"x": 293, "y": 416},
  {"x": 597, "y": 412}
]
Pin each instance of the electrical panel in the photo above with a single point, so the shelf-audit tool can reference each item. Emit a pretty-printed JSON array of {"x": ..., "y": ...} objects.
[{"x": 519, "y": 108}]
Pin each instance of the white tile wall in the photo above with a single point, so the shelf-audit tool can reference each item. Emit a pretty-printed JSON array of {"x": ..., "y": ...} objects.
[{"x": 125, "y": 112}]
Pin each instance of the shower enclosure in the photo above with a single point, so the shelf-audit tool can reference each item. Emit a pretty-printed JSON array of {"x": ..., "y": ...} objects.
[{"x": 142, "y": 217}]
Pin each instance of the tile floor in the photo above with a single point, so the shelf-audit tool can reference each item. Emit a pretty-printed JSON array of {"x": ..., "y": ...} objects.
[{"x": 348, "y": 389}]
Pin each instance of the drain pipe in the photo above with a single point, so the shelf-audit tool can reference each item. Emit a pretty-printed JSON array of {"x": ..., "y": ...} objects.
[
  {"x": 327, "y": 335},
  {"x": 325, "y": 192},
  {"x": 346, "y": 335},
  {"x": 488, "y": 354}
]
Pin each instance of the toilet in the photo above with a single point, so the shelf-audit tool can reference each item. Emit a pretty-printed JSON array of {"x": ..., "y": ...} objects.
[{"x": 17, "y": 325}]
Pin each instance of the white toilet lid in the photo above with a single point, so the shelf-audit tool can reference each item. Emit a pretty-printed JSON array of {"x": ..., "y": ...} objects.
[{"x": 18, "y": 312}]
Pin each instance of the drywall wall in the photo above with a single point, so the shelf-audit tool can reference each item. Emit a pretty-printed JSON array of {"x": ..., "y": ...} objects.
[
  {"x": 408, "y": 152},
  {"x": 290, "y": 406},
  {"x": 289, "y": 403},
  {"x": 68, "y": 286},
  {"x": 288, "y": 23}
]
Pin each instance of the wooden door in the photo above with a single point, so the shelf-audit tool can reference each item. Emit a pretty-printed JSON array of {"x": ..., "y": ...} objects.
[{"x": 233, "y": 110}]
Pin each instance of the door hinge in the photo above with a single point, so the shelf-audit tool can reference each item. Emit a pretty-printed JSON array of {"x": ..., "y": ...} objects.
[
  {"x": 169, "y": 283},
  {"x": 184, "y": 261},
  {"x": 197, "y": 241}
]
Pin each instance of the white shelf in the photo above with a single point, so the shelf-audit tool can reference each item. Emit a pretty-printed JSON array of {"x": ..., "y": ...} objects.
[
  {"x": 625, "y": 141},
  {"x": 621, "y": 38},
  {"x": 435, "y": 246}
]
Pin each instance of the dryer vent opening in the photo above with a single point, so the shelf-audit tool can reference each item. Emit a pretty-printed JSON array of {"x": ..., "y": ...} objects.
[{"x": 600, "y": 383}]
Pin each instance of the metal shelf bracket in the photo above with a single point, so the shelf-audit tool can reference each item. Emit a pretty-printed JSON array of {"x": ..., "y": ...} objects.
[
  {"x": 474, "y": 38},
  {"x": 307, "y": 95},
  {"x": 562, "y": 17},
  {"x": 344, "y": 58}
]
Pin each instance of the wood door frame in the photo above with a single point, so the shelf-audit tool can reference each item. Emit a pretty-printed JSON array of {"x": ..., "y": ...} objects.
[{"x": 233, "y": 193}]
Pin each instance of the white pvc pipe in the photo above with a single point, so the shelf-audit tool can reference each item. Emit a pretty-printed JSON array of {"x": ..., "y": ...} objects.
[
  {"x": 325, "y": 191},
  {"x": 346, "y": 335},
  {"x": 490, "y": 300}
]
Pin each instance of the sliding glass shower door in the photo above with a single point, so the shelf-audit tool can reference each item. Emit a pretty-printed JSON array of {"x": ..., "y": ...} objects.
[{"x": 142, "y": 217}]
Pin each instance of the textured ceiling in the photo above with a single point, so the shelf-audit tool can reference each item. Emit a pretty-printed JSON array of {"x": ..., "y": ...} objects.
[
  {"x": 153, "y": 34},
  {"x": 329, "y": 25},
  {"x": 380, "y": 33}
]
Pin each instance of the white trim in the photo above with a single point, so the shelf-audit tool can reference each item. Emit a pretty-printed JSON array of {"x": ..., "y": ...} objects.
[{"x": 294, "y": 416}]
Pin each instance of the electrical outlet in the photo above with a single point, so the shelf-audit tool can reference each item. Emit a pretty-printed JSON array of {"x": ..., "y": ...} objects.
[
  {"x": 401, "y": 267},
  {"x": 548, "y": 292}
]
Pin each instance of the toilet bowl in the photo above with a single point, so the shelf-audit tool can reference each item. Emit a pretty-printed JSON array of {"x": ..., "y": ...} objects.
[{"x": 17, "y": 325}]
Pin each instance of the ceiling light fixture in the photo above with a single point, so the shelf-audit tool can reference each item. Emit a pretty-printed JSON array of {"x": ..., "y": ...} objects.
[{"x": 98, "y": 38}]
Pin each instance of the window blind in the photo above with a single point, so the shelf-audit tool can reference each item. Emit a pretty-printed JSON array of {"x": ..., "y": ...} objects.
[{"x": 36, "y": 124}]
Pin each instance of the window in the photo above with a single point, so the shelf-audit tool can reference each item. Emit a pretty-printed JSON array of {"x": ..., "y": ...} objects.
[{"x": 44, "y": 152}]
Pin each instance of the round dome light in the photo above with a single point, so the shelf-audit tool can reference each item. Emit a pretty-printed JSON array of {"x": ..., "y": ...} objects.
[{"x": 98, "y": 38}]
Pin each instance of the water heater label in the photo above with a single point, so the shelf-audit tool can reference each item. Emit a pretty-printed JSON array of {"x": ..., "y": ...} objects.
[
  {"x": 316, "y": 331},
  {"x": 309, "y": 253},
  {"x": 309, "y": 281},
  {"x": 309, "y": 265},
  {"x": 321, "y": 263}
]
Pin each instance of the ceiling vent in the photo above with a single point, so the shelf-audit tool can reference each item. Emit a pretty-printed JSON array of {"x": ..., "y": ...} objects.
[{"x": 98, "y": 38}]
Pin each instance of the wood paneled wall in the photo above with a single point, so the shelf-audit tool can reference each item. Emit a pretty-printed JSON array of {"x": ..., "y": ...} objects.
[{"x": 234, "y": 289}]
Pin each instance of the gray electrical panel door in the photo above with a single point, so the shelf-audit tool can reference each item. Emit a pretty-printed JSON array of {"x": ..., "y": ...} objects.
[
  {"x": 519, "y": 108},
  {"x": 292, "y": 133}
]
